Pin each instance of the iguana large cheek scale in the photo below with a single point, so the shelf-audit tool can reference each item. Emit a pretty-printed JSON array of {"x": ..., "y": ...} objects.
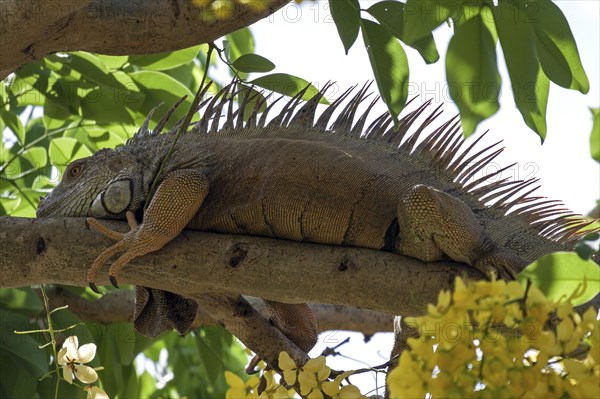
[
  {"x": 114, "y": 200},
  {"x": 176, "y": 201}
]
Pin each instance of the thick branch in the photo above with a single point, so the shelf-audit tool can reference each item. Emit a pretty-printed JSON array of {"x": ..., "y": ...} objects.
[
  {"x": 29, "y": 30},
  {"x": 214, "y": 269},
  {"x": 61, "y": 250},
  {"x": 117, "y": 307}
]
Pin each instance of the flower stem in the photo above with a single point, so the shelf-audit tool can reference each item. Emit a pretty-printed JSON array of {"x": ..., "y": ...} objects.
[{"x": 52, "y": 339}]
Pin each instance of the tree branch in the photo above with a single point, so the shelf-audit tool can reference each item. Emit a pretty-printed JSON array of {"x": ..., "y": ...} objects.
[
  {"x": 210, "y": 268},
  {"x": 61, "y": 250},
  {"x": 32, "y": 29},
  {"x": 117, "y": 307}
]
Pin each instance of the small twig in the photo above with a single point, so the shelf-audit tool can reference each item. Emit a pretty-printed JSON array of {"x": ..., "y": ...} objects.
[
  {"x": 332, "y": 351},
  {"x": 52, "y": 338},
  {"x": 226, "y": 62},
  {"x": 377, "y": 369}
]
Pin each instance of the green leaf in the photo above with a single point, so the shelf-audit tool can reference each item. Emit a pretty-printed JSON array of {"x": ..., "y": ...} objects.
[
  {"x": 34, "y": 75},
  {"x": 389, "y": 64},
  {"x": 558, "y": 275},
  {"x": 113, "y": 61},
  {"x": 472, "y": 73},
  {"x": 16, "y": 382},
  {"x": 166, "y": 60},
  {"x": 253, "y": 63},
  {"x": 423, "y": 16},
  {"x": 8, "y": 204},
  {"x": 556, "y": 48},
  {"x": 93, "y": 70},
  {"x": 254, "y": 98},
  {"x": 124, "y": 339},
  {"x": 27, "y": 203},
  {"x": 96, "y": 137},
  {"x": 390, "y": 14},
  {"x": 131, "y": 386},
  {"x": 536, "y": 119},
  {"x": 184, "y": 74},
  {"x": 346, "y": 15},
  {"x": 239, "y": 42},
  {"x": 595, "y": 136},
  {"x": 64, "y": 150},
  {"x": 209, "y": 350},
  {"x": 36, "y": 156},
  {"x": 12, "y": 121},
  {"x": 57, "y": 114},
  {"x": 288, "y": 85},
  {"x": 147, "y": 385},
  {"x": 529, "y": 84},
  {"x": 61, "y": 65},
  {"x": 129, "y": 95},
  {"x": 21, "y": 300},
  {"x": 23, "y": 348},
  {"x": 159, "y": 87},
  {"x": 98, "y": 105}
]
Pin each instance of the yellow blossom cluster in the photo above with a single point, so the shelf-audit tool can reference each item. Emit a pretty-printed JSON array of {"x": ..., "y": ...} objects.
[
  {"x": 221, "y": 10},
  {"x": 238, "y": 389},
  {"x": 312, "y": 380},
  {"x": 492, "y": 339}
]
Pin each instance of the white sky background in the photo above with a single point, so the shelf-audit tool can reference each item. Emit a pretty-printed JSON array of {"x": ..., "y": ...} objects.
[{"x": 302, "y": 40}]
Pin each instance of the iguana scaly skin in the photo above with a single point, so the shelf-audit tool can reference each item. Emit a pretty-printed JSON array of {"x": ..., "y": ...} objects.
[{"x": 331, "y": 183}]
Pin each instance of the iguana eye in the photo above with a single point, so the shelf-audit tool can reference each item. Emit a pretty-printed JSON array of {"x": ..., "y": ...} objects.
[{"x": 74, "y": 170}]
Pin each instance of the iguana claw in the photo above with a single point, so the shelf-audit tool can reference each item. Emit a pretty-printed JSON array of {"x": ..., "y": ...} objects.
[
  {"x": 113, "y": 281},
  {"x": 94, "y": 288}
]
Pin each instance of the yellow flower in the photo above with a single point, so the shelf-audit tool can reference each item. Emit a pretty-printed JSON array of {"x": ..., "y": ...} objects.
[
  {"x": 349, "y": 392},
  {"x": 311, "y": 375},
  {"x": 72, "y": 357},
  {"x": 94, "y": 392},
  {"x": 273, "y": 389},
  {"x": 289, "y": 368},
  {"x": 333, "y": 389},
  {"x": 238, "y": 389}
]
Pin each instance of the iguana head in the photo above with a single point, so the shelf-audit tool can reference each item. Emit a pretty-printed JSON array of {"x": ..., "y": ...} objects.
[{"x": 104, "y": 185}]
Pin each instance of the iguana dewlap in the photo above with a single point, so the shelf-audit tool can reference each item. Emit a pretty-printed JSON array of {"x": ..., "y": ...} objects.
[{"x": 298, "y": 180}]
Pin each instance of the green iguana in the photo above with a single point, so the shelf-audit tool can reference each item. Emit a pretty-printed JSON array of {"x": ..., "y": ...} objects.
[{"x": 296, "y": 179}]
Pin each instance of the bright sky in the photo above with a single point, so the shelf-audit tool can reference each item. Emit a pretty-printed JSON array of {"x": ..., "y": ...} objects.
[{"x": 302, "y": 40}]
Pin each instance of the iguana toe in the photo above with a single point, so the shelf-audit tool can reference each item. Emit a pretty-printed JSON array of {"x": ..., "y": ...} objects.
[{"x": 501, "y": 264}]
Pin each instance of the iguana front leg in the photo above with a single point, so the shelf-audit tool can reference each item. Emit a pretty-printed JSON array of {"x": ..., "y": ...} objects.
[
  {"x": 176, "y": 201},
  {"x": 434, "y": 224}
]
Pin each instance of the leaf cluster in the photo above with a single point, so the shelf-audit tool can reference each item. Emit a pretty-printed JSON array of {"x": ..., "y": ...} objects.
[{"x": 534, "y": 36}]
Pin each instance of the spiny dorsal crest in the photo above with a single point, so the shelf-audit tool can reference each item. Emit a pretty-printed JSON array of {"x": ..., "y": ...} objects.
[{"x": 444, "y": 147}]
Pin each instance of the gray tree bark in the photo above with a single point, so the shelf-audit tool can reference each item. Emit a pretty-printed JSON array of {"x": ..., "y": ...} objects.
[
  {"x": 32, "y": 29},
  {"x": 216, "y": 269}
]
